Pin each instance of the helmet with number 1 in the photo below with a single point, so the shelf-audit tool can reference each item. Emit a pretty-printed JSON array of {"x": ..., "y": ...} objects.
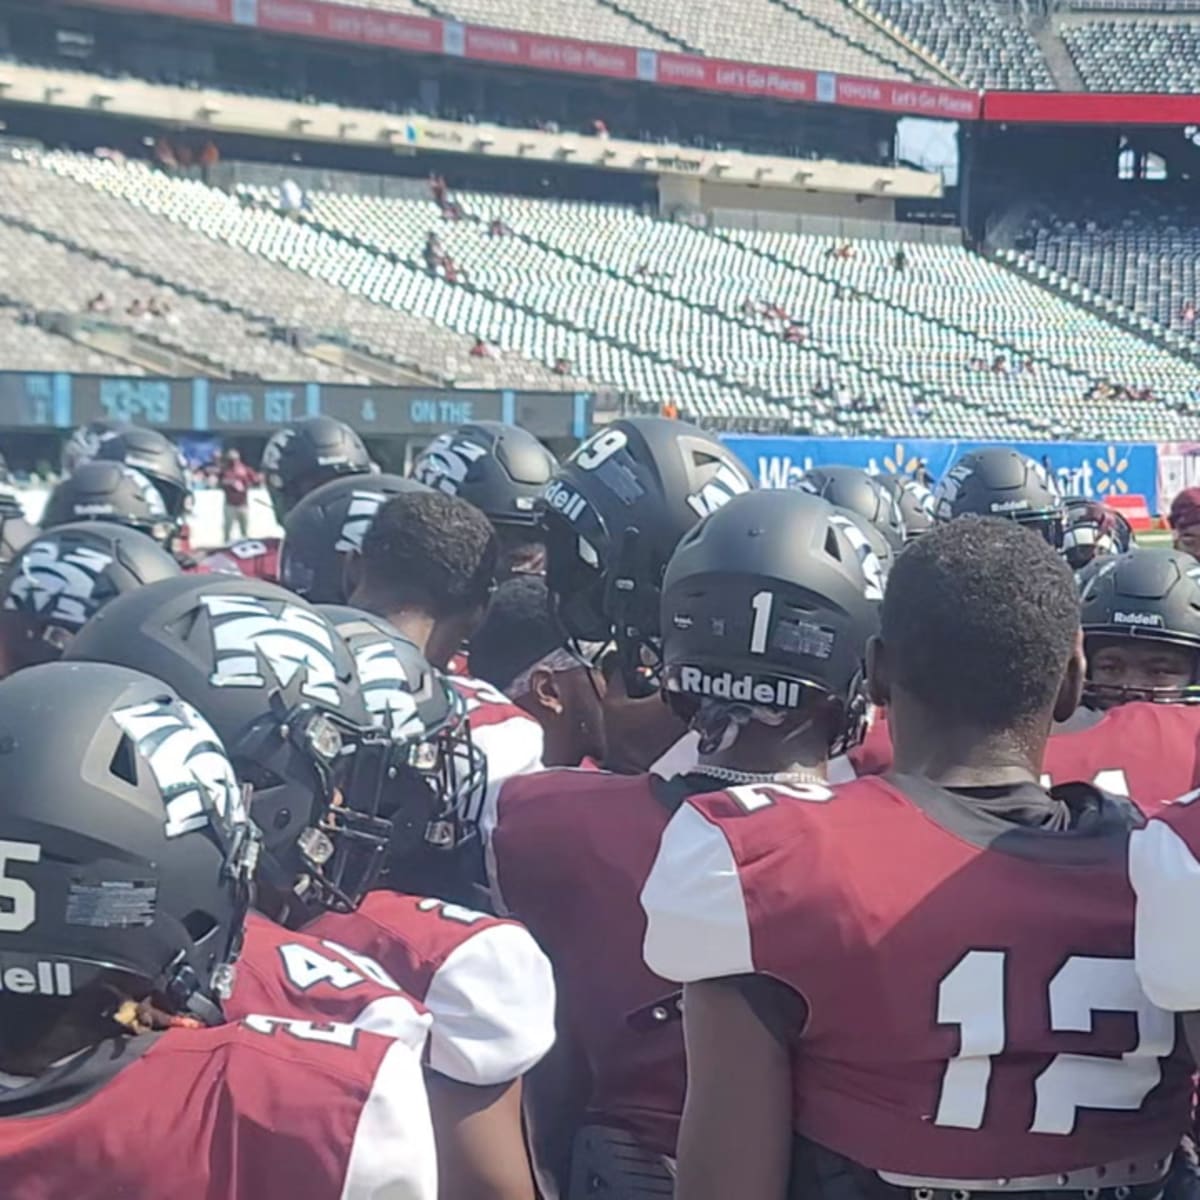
[
  {"x": 123, "y": 819},
  {"x": 857, "y": 491},
  {"x": 308, "y": 453},
  {"x": 768, "y": 601},
  {"x": 65, "y": 576},
  {"x": 999, "y": 482},
  {"x": 614, "y": 513},
  {"x": 327, "y": 527},
  {"x": 278, "y": 684}
]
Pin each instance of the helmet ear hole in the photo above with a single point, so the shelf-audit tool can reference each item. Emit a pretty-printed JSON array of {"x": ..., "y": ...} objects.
[
  {"x": 124, "y": 762},
  {"x": 833, "y": 547},
  {"x": 199, "y": 925}
]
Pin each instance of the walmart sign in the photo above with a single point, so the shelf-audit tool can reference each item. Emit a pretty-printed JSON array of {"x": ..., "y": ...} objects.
[{"x": 1095, "y": 469}]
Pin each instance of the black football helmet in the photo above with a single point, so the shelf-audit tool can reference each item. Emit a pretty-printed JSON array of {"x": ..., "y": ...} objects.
[
  {"x": 82, "y": 445},
  {"x": 435, "y": 766},
  {"x": 613, "y": 514},
  {"x": 16, "y": 531},
  {"x": 327, "y": 526},
  {"x": 128, "y": 844},
  {"x": 307, "y": 454},
  {"x": 999, "y": 482},
  {"x": 1093, "y": 530},
  {"x": 853, "y": 489},
  {"x": 110, "y": 491},
  {"x": 278, "y": 684},
  {"x": 157, "y": 458},
  {"x": 769, "y": 599},
  {"x": 67, "y": 574},
  {"x": 914, "y": 500},
  {"x": 1147, "y": 595},
  {"x": 501, "y": 469}
]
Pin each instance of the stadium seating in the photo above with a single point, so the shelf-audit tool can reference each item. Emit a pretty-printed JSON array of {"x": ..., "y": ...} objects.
[
  {"x": 1145, "y": 258},
  {"x": 199, "y": 240},
  {"x": 979, "y": 41},
  {"x": 1137, "y": 55},
  {"x": 740, "y": 328}
]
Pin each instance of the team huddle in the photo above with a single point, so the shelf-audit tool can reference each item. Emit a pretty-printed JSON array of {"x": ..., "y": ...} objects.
[{"x": 525, "y": 830}]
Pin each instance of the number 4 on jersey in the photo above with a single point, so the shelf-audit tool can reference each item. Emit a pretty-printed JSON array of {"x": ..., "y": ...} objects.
[{"x": 341, "y": 969}]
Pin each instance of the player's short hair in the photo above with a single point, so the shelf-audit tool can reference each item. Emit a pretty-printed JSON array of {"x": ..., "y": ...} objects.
[
  {"x": 517, "y": 632},
  {"x": 430, "y": 551},
  {"x": 979, "y": 620}
]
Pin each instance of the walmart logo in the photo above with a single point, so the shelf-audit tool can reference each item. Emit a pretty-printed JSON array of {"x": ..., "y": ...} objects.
[
  {"x": 1110, "y": 471},
  {"x": 899, "y": 462}
]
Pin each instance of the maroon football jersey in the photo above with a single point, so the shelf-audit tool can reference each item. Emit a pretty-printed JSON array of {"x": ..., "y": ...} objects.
[
  {"x": 570, "y": 854},
  {"x": 1148, "y": 752},
  {"x": 290, "y": 974},
  {"x": 973, "y": 1007},
  {"x": 255, "y": 558},
  {"x": 487, "y": 986},
  {"x": 263, "y": 1110}
]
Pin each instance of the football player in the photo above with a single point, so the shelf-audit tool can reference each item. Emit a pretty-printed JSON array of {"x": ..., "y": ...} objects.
[
  {"x": 255, "y": 558},
  {"x": 158, "y": 459},
  {"x": 914, "y": 500},
  {"x": 856, "y": 491},
  {"x": 519, "y": 651},
  {"x": 324, "y": 532},
  {"x": 1138, "y": 731},
  {"x": 128, "y": 860},
  {"x": 63, "y": 578},
  {"x": 278, "y": 684},
  {"x": 1093, "y": 531},
  {"x": 502, "y": 470},
  {"x": 488, "y": 987},
  {"x": 110, "y": 491},
  {"x": 613, "y": 513},
  {"x": 892, "y": 987},
  {"x": 999, "y": 482},
  {"x": 428, "y": 567},
  {"x": 306, "y": 454},
  {"x": 1184, "y": 519}
]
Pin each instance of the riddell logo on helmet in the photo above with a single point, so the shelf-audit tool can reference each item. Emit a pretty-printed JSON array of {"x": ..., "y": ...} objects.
[
  {"x": 780, "y": 693},
  {"x": 1136, "y": 618},
  {"x": 38, "y": 979},
  {"x": 1003, "y": 506},
  {"x": 565, "y": 500}
]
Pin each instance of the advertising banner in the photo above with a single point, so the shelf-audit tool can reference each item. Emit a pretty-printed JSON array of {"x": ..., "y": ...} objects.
[{"x": 1094, "y": 469}]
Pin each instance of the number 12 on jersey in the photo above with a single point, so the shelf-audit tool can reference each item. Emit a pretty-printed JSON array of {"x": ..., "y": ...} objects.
[{"x": 972, "y": 996}]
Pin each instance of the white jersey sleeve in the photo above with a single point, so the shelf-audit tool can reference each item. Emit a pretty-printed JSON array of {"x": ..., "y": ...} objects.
[
  {"x": 493, "y": 1003},
  {"x": 696, "y": 922},
  {"x": 1165, "y": 876},
  {"x": 393, "y": 1156}
]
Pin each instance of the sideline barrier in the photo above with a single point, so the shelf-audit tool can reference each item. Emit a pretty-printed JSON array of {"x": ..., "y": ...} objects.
[{"x": 1095, "y": 469}]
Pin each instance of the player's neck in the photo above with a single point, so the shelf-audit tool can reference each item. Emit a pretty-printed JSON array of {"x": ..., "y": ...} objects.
[
  {"x": 412, "y": 623},
  {"x": 958, "y": 756},
  {"x": 760, "y": 750}
]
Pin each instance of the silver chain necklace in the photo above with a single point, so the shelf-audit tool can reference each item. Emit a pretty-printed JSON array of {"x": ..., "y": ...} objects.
[{"x": 731, "y": 775}]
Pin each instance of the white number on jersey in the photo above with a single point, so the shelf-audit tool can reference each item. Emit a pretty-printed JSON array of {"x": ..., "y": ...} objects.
[
  {"x": 450, "y": 912},
  {"x": 304, "y": 1031},
  {"x": 306, "y": 967},
  {"x": 753, "y": 796},
  {"x": 971, "y": 996}
]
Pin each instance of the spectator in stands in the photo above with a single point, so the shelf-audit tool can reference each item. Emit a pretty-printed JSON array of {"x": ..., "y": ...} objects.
[
  {"x": 795, "y": 333},
  {"x": 136, "y": 308},
  {"x": 562, "y": 366},
  {"x": 899, "y": 260},
  {"x": 236, "y": 480},
  {"x": 481, "y": 349},
  {"x": 432, "y": 253},
  {"x": 437, "y": 187},
  {"x": 497, "y": 228},
  {"x": 1189, "y": 312},
  {"x": 600, "y": 128},
  {"x": 101, "y": 302},
  {"x": 1000, "y": 365}
]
